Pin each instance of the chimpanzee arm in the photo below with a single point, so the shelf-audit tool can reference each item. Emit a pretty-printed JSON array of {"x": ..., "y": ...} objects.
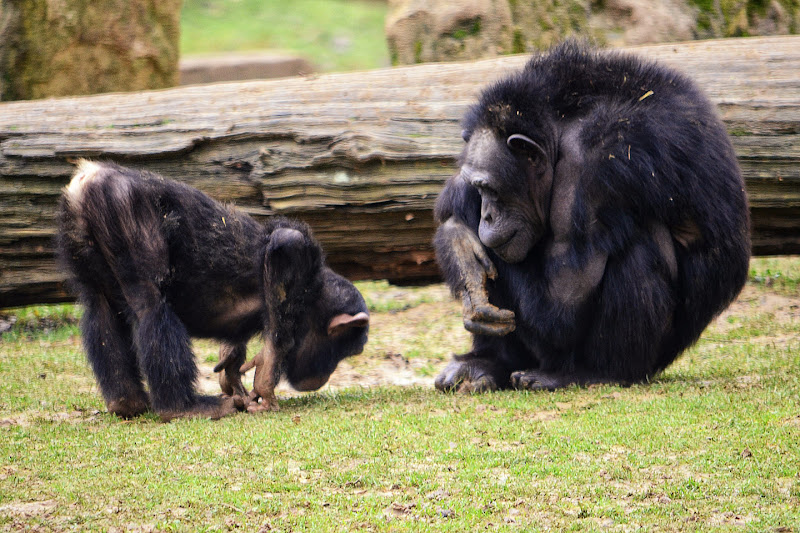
[
  {"x": 266, "y": 378},
  {"x": 291, "y": 263},
  {"x": 575, "y": 264},
  {"x": 231, "y": 358},
  {"x": 463, "y": 256},
  {"x": 465, "y": 263}
]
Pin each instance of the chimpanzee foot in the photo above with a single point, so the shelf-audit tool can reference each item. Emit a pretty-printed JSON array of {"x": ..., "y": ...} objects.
[
  {"x": 129, "y": 406},
  {"x": 213, "y": 407},
  {"x": 535, "y": 380},
  {"x": 469, "y": 375}
]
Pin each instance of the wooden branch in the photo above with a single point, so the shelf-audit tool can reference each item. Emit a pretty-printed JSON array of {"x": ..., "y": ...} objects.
[{"x": 360, "y": 156}]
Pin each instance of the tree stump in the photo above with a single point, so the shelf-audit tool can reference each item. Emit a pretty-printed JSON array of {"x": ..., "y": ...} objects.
[{"x": 87, "y": 46}]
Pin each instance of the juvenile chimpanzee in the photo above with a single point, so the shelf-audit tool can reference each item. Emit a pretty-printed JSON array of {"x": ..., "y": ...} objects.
[
  {"x": 155, "y": 262},
  {"x": 598, "y": 223}
]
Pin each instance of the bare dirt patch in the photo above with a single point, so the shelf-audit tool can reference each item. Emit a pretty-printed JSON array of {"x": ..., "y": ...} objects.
[
  {"x": 28, "y": 509},
  {"x": 409, "y": 345},
  {"x": 753, "y": 300},
  {"x": 415, "y": 331}
]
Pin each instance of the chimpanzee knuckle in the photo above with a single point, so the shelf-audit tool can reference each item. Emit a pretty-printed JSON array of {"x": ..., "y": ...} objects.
[
  {"x": 506, "y": 315},
  {"x": 522, "y": 380},
  {"x": 443, "y": 384},
  {"x": 241, "y": 402},
  {"x": 502, "y": 329},
  {"x": 534, "y": 381}
]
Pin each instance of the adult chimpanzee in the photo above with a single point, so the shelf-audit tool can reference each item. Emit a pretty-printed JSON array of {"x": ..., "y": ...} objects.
[
  {"x": 155, "y": 261},
  {"x": 598, "y": 224}
]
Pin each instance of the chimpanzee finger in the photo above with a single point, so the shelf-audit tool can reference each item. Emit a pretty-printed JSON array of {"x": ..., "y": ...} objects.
[
  {"x": 490, "y": 313},
  {"x": 496, "y": 329},
  {"x": 482, "y": 257}
]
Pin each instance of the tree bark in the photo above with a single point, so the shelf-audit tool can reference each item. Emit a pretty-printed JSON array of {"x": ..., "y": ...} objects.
[
  {"x": 69, "y": 47},
  {"x": 360, "y": 156}
]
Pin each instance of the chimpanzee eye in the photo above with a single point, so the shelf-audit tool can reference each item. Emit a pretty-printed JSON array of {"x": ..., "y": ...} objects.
[
  {"x": 465, "y": 134},
  {"x": 485, "y": 189}
]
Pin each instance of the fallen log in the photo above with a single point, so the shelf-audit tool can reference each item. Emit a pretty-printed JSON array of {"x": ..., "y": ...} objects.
[{"x": 360, "y": 156}]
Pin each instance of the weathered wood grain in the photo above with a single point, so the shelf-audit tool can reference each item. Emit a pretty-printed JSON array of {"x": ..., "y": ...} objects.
[{"x": 360, "y": 156}]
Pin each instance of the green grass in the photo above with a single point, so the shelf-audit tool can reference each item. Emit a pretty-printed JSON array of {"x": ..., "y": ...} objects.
[
  {"x": 781, "y": 274},
  {"x": 335, "y": 35},
  {"x": 713, "y": 444}
]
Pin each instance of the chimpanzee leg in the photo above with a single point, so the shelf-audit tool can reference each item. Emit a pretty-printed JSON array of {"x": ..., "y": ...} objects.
[
  {"x": 167, "y": 361},
  {"x": 140, "y": 258},
  {"x": 165, "y": 356},
  {"x": 107, "y": 340},
  {"x": 629, "y": 330}
]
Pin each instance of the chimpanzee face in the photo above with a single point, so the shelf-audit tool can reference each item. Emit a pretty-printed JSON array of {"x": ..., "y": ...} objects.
[
  {"x": 514, "y": 180},
  {"x": 335, "y": 327}
]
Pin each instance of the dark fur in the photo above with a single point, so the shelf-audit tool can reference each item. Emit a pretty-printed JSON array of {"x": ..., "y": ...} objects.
[
  {"x": 155, "y": 262},
  {"x": 640, "y": 161}
]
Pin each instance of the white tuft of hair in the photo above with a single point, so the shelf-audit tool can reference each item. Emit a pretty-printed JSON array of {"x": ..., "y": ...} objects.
[{"x": 86, "y": 172}]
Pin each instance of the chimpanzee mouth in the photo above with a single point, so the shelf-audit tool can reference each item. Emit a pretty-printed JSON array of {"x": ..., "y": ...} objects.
[
  {"x": 500, "y": 249},
  {"x": 497, "y": 246}
]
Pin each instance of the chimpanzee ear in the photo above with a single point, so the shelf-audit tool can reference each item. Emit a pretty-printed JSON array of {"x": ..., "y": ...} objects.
[
  {"x": 523, "y": 144},
  {"x": 344, "y": 322}
]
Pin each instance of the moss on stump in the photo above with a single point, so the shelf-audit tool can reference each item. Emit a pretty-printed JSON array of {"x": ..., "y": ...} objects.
[{"x": 70, "y": 47}]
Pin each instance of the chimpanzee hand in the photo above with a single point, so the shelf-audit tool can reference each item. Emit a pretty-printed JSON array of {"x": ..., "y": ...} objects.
[
  {"x": 485, "y": 318},
  {"x": 264, "y": 381},
  {"x": 469, "y": 256}
]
